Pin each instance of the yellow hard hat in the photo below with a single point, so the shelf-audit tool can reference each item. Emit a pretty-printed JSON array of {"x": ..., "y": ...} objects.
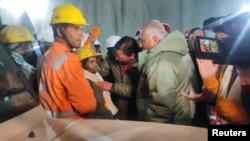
[
  {"x": 67, "y": 13},
  {"x": 86, "y": 52},
  {"x": 15, "y": 34}
]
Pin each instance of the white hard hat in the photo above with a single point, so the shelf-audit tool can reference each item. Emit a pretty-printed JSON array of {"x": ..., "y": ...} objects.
[
  {"x": 45, "y": 34},
  {"x": 97, "y": 42},
  {"x": 112, "y": 40}
]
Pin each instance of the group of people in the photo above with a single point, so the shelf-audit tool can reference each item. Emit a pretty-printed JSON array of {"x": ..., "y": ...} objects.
[
  {"x": 224, "y": 86},
  {"x": 154, "y": 77}
]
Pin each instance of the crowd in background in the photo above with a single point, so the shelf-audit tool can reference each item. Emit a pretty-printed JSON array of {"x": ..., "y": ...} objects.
[{"x": 155, "y": 77}]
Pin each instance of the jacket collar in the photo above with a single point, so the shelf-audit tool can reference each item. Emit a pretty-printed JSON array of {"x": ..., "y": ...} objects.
[{"x": 174, "y": 42}]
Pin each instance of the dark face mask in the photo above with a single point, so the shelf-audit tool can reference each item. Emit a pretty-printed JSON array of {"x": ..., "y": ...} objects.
[{"x": 245, "y": 98}]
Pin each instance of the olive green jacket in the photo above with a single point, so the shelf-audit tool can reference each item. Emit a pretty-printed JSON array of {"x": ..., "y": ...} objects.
[
  {"x": 163, "y": 79},
  {"x": 124, "y": 86}
]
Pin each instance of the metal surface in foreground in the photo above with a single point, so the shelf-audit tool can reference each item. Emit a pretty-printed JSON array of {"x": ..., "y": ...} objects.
[{"x": 34, "y": 125}]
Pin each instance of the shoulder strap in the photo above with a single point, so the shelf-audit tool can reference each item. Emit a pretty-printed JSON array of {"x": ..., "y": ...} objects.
[{"x": 231, "y": 81}]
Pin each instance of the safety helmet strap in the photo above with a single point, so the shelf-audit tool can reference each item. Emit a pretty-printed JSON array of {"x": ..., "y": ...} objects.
[{"x": 64, "y": 37}]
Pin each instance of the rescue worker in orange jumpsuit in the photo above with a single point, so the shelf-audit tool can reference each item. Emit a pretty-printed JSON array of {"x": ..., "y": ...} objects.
[{"x": 64, "y": 92}]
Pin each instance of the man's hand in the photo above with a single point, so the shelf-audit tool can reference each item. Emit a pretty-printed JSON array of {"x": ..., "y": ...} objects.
[
  {"x": 204, "y": 96},
  {"x": 221, "y": 35},
  {"x": 104, "y": 85},
  {"x": 186, "y": 32},
  {"x": 207, "y": 68}
]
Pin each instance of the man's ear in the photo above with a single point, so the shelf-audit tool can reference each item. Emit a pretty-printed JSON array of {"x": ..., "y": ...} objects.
[
  {"x": 156, "y": 39},
  {"x": 58, "y": 32}
]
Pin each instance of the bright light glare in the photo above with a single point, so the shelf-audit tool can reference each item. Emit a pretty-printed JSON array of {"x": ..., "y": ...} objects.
[
  {"x": 35, "y": 8},
  {"x": 15, "y": 7},
  {"x": 246, "y": 7}
]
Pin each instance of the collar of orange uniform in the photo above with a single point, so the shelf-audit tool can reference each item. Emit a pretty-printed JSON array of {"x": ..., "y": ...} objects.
[{"x": 61, "y": 46}]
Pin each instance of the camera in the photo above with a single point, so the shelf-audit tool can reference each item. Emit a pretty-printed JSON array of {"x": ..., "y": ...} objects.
[
  {"x": 207, "y": 48},
  {"x": 234, "y": 50}
]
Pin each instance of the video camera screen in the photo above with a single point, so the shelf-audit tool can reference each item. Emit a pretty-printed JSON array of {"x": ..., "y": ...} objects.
[
  {"x": 207, "y": 48},
  {"x": 233, "y": 50}
]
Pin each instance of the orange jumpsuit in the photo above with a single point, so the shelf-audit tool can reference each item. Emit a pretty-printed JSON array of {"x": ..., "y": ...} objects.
[
  {"x": 64, "y": 92},
  {"x": 229, "y": 110}
]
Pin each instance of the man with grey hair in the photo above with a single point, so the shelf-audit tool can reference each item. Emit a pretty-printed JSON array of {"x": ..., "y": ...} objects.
[{"x": 164, "y": 76}]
